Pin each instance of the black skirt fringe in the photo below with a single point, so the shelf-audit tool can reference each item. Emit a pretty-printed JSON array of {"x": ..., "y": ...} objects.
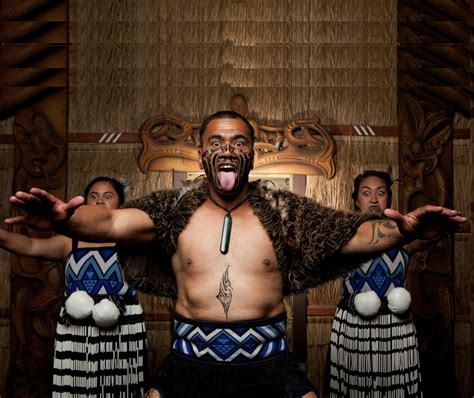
[{"x": 277, "y": 377}]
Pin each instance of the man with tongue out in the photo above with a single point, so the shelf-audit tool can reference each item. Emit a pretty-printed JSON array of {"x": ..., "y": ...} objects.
[
  {"x": 226, "y": 155},
  {"x": 228, "y": 251}
]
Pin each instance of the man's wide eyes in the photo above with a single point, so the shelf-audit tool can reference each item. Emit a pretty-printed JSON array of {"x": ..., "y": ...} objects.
[{"x": 236, "y": 144}]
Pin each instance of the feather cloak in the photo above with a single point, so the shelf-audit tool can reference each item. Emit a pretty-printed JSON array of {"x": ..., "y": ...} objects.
[{"x": 306, "y": 236}]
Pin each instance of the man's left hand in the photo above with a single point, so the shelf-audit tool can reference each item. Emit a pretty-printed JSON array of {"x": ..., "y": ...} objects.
[{"x": 428, "y": 222}]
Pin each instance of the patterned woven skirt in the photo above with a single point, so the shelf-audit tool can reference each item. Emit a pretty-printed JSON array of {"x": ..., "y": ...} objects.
[
  {"x": 90, "y": 361},
  {"x": 375, "y": 357},
  {"x": 231, "y": 360}
]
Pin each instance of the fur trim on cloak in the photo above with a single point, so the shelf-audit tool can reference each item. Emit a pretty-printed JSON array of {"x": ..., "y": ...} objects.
[{"x": 306, "y": 237}]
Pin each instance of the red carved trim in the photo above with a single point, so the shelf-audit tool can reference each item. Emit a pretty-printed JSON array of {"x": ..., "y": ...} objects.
[
  {"x": 133, "y": 138},
  {"x": 108, "y": 138},
  {"x": 321, "y": 310}
]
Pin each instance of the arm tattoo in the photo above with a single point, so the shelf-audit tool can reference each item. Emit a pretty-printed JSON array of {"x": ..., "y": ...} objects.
[
  {"x": 225, "y": 292},
  {"x": 377, "y": 233}
]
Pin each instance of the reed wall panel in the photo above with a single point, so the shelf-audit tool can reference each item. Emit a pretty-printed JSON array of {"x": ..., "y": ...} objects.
[
  {"x": 319, "y": 336},
  {"x": 159, "y": 342},
  {"x": 132, "y": 60},
  {"x": 6, "y": 126}
]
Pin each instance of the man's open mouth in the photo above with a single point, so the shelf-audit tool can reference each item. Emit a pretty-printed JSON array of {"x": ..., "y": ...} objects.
[{"x": 226, "y": 167}]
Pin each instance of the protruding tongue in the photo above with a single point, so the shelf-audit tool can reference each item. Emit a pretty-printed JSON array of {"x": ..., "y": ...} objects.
[{"x": 227, "y": 180}]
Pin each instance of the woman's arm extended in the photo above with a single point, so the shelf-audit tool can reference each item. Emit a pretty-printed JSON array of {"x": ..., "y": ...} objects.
[{"x": 52, "y": 249}]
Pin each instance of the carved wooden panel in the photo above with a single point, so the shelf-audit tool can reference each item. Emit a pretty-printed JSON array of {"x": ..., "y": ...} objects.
[
  {"x": 37, "y": 287},
  {"x": 298, "y": 147},
  {"x": 33, "y": 83},
  {"x": 433, "y": 62},
  {"x": 426, "y": 175}
]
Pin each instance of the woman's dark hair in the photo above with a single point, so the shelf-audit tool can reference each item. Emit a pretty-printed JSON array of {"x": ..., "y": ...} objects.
[
  {"x": 226, "y": 115},
  {"x": 385, "y": 177},
  {"x": 112, "y": 181}
]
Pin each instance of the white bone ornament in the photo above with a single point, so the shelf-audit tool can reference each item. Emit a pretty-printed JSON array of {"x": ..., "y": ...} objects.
[
  {"x": 367, "y": 303},
  {"x": 105, "y": 313},
  {"x": 399, "y": 300},
  {"x": 79, "y": 305}
]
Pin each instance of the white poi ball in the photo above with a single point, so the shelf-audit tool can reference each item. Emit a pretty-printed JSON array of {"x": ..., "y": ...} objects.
[
  {"x": 79, "y": 305},
  {"x": 399, "y": 300},
  {"x": 105, "y": 313},
  {"x": 367, "y": 303}
]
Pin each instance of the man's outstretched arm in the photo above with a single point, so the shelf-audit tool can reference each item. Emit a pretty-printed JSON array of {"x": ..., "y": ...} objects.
[
  {"x": 428, "y": 222},
  {"x": 44, "y": 211},
  {"x": 55, "y": 248}
]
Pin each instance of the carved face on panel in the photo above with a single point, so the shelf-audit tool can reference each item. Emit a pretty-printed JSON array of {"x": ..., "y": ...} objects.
[{"x": 226, "y": 155}]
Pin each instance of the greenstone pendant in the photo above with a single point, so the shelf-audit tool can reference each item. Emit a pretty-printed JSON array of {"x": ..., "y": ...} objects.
[{"x": 225, "y": 235}]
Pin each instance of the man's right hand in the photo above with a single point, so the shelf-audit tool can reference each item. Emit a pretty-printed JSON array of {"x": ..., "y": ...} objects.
[{"x": 43, "y": 210}]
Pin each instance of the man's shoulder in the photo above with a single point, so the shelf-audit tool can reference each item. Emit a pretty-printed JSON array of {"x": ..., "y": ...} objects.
[{"x": 268, "y": 190}]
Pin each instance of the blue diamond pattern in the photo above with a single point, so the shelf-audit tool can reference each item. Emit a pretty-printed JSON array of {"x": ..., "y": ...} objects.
[
  {"x": 250, "y": 343},
  {"x": 224, "y": 345},
  {"x": 211, "y": 342},
  {"x": 379, "y": 274},
  {"x": 199, "y": 342},
  {"x": 95, "y": 270}
]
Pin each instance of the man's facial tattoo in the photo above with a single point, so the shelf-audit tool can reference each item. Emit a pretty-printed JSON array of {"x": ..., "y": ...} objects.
[{"x": 227, "y": 168}]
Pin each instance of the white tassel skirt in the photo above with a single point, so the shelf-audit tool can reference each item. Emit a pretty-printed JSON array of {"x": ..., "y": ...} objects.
[
  {"x": 90, "y": 361},
  {"x": 376, "y": 357}
]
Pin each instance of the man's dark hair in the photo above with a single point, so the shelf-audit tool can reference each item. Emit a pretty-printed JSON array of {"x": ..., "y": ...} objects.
[
  {"x": 226, "y": 115},
  {"x": 385, "y": 177},
  {"x": 117, "y": 187}
]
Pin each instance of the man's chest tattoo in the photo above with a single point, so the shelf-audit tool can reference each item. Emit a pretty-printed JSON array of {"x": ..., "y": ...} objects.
[{"x": 225, "y": 291}]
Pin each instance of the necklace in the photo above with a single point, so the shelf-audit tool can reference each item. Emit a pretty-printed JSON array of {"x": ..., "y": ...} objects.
[{"x": 226, "y": 225}]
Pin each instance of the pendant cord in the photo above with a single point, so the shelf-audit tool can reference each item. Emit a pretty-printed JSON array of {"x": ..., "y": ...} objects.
[
  {"x": 226, "y": 225},
  {"x": 228, "y": 210}
]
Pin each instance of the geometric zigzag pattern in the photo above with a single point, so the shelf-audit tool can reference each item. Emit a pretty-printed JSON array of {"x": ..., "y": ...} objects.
[
  {"x": 380, "y": 274},
  {"x": 96, "y": 271},
  {"x": 239, "y": 344}
]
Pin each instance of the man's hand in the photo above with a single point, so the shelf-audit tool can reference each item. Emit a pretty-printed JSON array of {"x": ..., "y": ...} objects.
[
  {"x": 152, "y": 393},
  {"x": 43, "y": 210},
  {"x": 427, "y": 222}
]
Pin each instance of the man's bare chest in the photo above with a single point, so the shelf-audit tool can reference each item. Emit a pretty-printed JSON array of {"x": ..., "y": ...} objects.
[{"x": 250, "y": 247}]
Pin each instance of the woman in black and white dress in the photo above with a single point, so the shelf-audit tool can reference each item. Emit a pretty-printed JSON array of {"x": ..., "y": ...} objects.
[
  {"x": 100, "y": 342},
  {"x": 373, "y": 350}
]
